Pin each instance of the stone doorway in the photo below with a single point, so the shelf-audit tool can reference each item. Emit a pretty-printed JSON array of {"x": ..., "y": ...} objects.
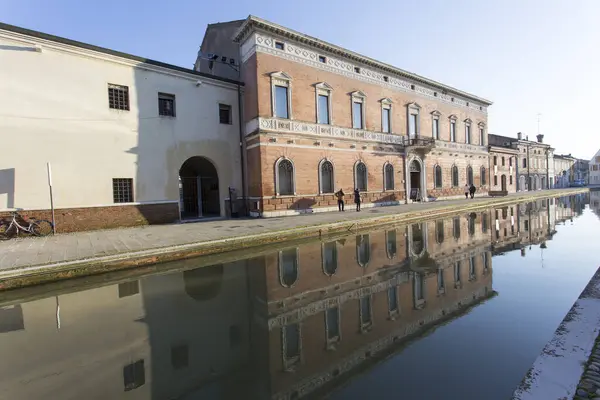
[{"x": 199, "y": 189}]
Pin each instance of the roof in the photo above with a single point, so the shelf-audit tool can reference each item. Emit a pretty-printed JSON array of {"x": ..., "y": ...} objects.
[
  {"x": 58, "y": 39},
  {"x": 253, "y": 22}
]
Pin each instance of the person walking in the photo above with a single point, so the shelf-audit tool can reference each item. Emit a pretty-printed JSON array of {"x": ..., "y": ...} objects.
[
  {"x": 357, "y": 199},
  {"x": 472, "y": 190},
  {"x": 340, "y": 198},
  {"x": 467, "y": 190}
]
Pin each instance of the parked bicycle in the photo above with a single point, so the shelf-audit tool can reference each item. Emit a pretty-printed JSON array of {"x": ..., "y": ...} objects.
[{"x": 11, "y": 227}]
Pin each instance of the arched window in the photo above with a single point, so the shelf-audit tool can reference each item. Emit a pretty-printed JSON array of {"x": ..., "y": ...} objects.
[
  {"x": 454, "y": 176},
  {"x": 524, "y": 163},
  {"x": 439, "y": 231},
  {"x": 483, "y": 177},
  {"x": 363, "y": 250},
  {"x": 472, "y": 225},
  {"x": 390, "y": 243},
  {"x": 360, "y": 176},
  {"x": 326, "y": 177},
  {"x": 284, "y": 177},
  {"x": 469, "y": 175},
  {"x": 456, "y": 228},
  {"x": 418, "y": 239},
  {"x": 288, "y": 267},
  {"x": 388, "y": 172},
  {"x": 495, "y": 180},
  {"x": 330, "y": 258},
  {"x": 437, "y": 177}
]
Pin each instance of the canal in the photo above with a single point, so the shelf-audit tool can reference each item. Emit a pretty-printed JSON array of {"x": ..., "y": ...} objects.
[{"x": 455, "y": 308}]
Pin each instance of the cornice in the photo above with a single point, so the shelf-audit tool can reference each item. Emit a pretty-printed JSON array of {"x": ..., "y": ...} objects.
[{"x": 255, "y": 24}]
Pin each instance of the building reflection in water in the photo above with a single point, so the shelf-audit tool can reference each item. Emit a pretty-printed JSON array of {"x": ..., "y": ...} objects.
[{"x": 298, "y": 321}]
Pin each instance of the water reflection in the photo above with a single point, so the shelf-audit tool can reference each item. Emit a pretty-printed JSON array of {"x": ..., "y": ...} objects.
[{"x": 299, "y": 321}]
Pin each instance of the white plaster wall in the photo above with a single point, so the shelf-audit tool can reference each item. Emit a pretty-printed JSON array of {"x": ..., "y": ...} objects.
[
  {"x": 54, "y": 108},
  {"x": 595, "y": 175}
]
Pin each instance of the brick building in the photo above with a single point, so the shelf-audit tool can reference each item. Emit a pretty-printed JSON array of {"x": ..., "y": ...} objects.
[{"x": 319, "y": 118}]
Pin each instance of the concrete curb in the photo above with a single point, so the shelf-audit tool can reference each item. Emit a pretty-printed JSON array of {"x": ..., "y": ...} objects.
[{"x": 38, "y": 274}]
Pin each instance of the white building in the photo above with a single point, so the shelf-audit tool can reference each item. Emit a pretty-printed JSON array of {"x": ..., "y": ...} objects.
[
  {"x": 594, "y": 177},
  {"x": 118, "y": 131}
]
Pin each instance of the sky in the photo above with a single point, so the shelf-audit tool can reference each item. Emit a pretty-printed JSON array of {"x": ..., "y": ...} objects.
[{"x": 530, "y": 57}]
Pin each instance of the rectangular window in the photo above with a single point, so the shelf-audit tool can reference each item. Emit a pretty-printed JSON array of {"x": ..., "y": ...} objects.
[
  {"x": 166, "y": 105},
  {"x": 453, "y": 131},
  {"x": 322, "y": 59},
  {"x": 134, "y": 375},
  {"x": 179, "y": 356},
  {"x": 292, "y": 342},
  {"x": 281, "y": 102},
  {"x": 392, "y": 299},
  {"x": 481, "y": 137},
  {"x": 323, "y": 109},
  {"x": 365, "y": 311},
  {"x": 385, "y": 120},
  {"x": 495, "y": 160},
  {"x": 332, "y": 318},
  {"x": 441, "y": 283},
  {"x": 412, "y": 125},
  {"x": 436, "y": 129},
  {"x": 118, "y": 97},
  {"x": 457, "y": 272},
  {"x": 510, "y": 161},
  {"x": 129, "y": 289},
  {"x": 357, "y": 115},
  {"x": 123, "y": 190},
  {"x": 468, "y": 134},
  {"x": 279, "y": 45},
  {"x": 225, "y": 114}
]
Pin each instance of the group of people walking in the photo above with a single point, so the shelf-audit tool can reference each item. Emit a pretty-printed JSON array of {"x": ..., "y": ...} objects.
[
  {"x": 470, "y": 190},
  {"x": 340, "y": 198}
]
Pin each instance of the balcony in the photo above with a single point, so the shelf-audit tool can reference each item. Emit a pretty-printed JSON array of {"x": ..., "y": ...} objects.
[{"x": 419, "y": 143}]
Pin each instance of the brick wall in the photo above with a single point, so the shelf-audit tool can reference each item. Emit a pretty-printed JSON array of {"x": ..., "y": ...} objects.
[{"x": 92, "y": 218}]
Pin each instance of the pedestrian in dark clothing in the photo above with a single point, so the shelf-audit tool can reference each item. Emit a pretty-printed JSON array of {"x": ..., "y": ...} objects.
[
  {"x": 340, "y": 198},
  {"x": 467, "y": 190},
  {"x": 357, "y": 199},
  {"x": 472, "y": 190}
]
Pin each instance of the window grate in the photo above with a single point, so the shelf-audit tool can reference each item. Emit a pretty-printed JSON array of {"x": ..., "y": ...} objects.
[
  {"x": 225, "y": 114},
  {"x": 123, "y": 190},
  {"x": 118, "y": 97},
  {"x": 166, "y": 105}
]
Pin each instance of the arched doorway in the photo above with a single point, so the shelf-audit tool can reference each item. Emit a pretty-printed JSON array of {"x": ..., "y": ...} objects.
[
  {"x": 199, "y": 189},
  {"x": 503, "y": 182},
  {"x": 522, "y": 183},
  {"x": 414, "y": 169}
]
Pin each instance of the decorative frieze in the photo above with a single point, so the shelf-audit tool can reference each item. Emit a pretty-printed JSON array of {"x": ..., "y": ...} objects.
[{"x": 260, "y": 42}]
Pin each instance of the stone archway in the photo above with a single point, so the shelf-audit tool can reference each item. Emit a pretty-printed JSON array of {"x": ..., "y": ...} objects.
[
  {"x": 415, "y": 180},
  {"x": 199, "y": 189}
]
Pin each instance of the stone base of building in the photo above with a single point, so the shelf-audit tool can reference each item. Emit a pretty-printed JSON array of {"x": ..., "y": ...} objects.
[{"x": 108, "y": 217}]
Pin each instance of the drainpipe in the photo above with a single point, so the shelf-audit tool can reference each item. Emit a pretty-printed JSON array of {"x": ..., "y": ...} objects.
[{"x": 242, "y": 146}]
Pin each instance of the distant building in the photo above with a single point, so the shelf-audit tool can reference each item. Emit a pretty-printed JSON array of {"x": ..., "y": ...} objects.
[
  {"x": 503, "y": 165},
  {"x": 563, "y": 169},
  {"x": 594, "y": 171}
]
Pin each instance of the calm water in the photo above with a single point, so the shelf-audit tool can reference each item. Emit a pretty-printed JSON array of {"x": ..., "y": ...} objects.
[{"x": 450, "y": 309}]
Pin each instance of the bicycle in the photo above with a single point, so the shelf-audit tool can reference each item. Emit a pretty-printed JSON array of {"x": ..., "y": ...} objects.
[{"x": 11, "y": 228}]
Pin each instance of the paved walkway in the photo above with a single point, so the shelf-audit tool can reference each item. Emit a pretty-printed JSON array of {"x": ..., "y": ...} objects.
[{"x": 20, "y": 253}]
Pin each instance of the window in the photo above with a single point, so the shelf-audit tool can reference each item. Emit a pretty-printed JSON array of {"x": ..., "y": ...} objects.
[
  {"x": 366, "y": 319},
  {"x": 413, "y": 119},
  {"x": 386, "y": 78},
  {"x": 390, "y": 243},
  {"x": 510, "y": 180},
  {"x": 437, "y": 177},
  {"x": 118, "y": 97},
  {"x": 280, "y": 87},
  {"x": 481, "y": 137},
  {"x": 363, "y": 250},
  {"x": 179, "y": 356},
  {"x": 452, "y": 128},
  {"x": 484, "y": 222},
  {"x": 471, "y": 225},
  {"x": 326, "y": 176},
  {"x": 279, "y": 46},
  {"x": 323, "y": 92},
  {"x": 330, "y": 258},
  {"x": 456, "y": 227},
  {"x": 386, "y": 115},
  {"x": 123, "y": 190},
  {"x": 485, "y": 261},
  {"x": 332, "y": 324},
  {"x": 129, "y": 289},
  {"x": 439, "y": 231},
  {"x": 322, "y": 59},
  {"x": 225, "y": 114},
  {"x": 503, "y": 162},
  {"x": 510, "y": 161},
  {"x": 419, "y": 290},
  {"x": 483, "y": 176},
  {"x": 357, "y": 70},
  {"x": 440, "y": 279},
  {"x": 134, "y": 375},
  {"x": 495, "y": 160},
  {"x": 393, "y": 300},
  {"x": 288, "y": 267},
  {"x": 469, "y": 175},
  {"x": 472, "y": 268},
  {"x": 495, "y": 180},
  {"x": 435, "y": 125},
  {"x": 166, "y": 105},
  {"x": 457, "y": 273},
  {"x": 285, "y": 177},
  {"x": 454, "y": 176},
  {"x": 358, "y": 110},
  {"x": 388, "y": 171},
  {"x": 360, "y": 176},
  {"x": 524, "y": 163},
  {"x": 291, "y": 345},
  {"x": 468, "y": 131}
]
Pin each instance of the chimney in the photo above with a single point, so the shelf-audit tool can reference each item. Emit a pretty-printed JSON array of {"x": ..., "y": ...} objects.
[
  {"x": 540, "y": 138},
  {"x": 520, "y": 136}
]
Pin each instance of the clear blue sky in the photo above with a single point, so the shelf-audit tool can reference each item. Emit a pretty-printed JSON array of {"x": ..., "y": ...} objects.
[{"x": 528, "y": 56}]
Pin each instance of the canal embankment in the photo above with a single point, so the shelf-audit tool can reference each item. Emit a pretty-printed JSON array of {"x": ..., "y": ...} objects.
[
  {"x": 31, "y": 261},
  {"x": 569, "y": 365}
]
